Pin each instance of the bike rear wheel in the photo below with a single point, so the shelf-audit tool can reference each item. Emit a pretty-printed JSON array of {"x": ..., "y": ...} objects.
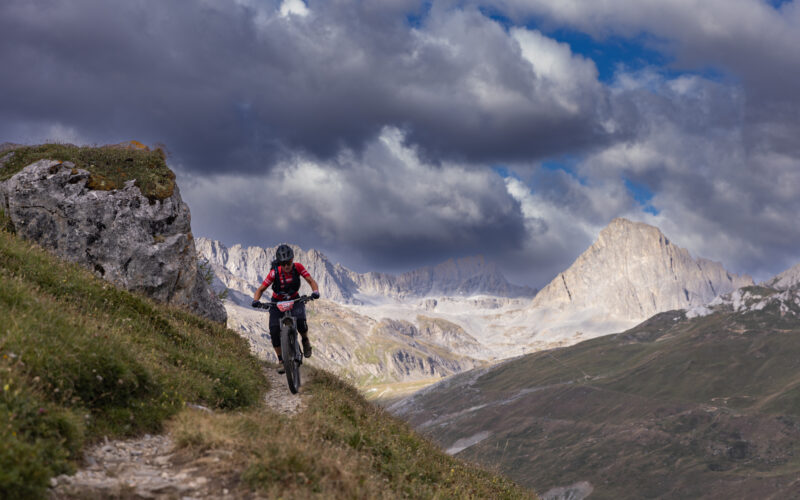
[{"x": 290, "y": 363}]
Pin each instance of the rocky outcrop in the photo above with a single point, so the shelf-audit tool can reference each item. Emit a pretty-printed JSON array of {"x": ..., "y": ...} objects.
[
  {"x": 785, "y": 280},
  {"x": 449, "y": 335},
  {"x": 633, "y": 271},
  {"x": 356, "y": 347},
  {"x": 139, "y": 244}
]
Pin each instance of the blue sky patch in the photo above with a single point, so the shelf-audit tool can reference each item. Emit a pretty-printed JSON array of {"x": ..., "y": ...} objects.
[
  {"x": 778, "y": 3},
  {"x": 608, "y": 54},
  {"x": 495, "y": 15},
  {"x": 566, "y": 164},
  {"x": 415, "y": 19},
  {"x": 505, "y": 172},
  {"x": 642, "y": 194},
  {"x": 611, "y": 53}
]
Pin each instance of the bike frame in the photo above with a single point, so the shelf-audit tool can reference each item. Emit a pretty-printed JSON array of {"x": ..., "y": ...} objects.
[{"x": 290, "y": 348}]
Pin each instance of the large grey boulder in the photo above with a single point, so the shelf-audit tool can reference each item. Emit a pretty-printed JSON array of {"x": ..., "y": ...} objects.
[{"x": 141, "y": 245}]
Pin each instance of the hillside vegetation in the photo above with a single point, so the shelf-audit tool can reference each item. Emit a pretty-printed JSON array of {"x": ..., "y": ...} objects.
[
  {"x": 81, "y": 360},
  {"x": 677, "y": 407},
  {"x": 110, "y": 167}
]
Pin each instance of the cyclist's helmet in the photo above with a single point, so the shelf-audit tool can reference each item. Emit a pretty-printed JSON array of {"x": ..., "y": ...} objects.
[{"x": 284, "y": 253}]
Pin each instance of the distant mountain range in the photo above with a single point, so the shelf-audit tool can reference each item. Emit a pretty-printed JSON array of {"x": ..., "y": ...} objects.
[
  {"x": 630, "y": 273},
  {"x": 370, "y": 351},
  {"x": 243, "y": 268}
]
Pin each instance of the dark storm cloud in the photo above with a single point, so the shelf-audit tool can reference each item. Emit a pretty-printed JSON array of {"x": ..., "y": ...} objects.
[
  {"x": 750, "y": 42},
  {"x": 722, "y": 189},
  {"x": 236, "y": 85},
  {"x": 719, "y": 149},
  {"x": 371, "y": 127},
  {"x": 385, "y": 208}
]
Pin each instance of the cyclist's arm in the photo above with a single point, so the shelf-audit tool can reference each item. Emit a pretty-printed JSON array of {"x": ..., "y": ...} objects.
[
  {"x": 310, "y": 280},
  {"x": 257, "y": 295}
]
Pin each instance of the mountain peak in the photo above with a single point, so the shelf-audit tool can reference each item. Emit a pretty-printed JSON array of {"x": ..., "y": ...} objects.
[
  {"x": 785, "y": 280},
  {"x": 624, "y": 231},
  {"x": 633, "y": 271}
]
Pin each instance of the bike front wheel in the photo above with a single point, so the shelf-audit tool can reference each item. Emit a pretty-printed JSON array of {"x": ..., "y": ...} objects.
[{"x": 290, "y": 364}]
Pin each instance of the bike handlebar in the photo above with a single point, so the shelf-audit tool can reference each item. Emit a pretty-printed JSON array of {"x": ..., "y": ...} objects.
[{"x": 265, "y": 305}]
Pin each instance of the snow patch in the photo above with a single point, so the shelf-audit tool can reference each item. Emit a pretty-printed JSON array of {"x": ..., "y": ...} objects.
[
  {"x": 698, "y": 312},
  {"x": 464, "y": 443}
]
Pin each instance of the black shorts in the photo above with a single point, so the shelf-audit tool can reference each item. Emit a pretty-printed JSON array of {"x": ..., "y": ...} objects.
[{"x": 298, "y": 312}]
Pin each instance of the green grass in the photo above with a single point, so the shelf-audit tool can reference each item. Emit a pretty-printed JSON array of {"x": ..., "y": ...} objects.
[
  {"x": 341, "y": 446},
  {"x": 81, "y": 360},
  {"x": 672, "y": 408},
  {"x": 110, "y": 167},
  {"x": 5, "y": 222}
]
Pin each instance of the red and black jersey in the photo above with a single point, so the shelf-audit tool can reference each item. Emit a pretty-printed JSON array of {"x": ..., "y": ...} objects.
[{"x": 287, "y": 285}]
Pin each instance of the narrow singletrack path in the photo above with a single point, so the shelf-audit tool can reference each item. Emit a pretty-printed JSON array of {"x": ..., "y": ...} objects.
[
  {"x": 149, "y": 468},
  {"x": 279, "y": 399}
]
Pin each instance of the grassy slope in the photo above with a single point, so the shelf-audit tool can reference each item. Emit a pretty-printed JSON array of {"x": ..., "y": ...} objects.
[
  {"x": 80, "y": 359},
  {"x": 683, "y": 408}
]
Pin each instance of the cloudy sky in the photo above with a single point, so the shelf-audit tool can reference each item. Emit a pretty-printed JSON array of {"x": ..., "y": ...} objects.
[{"x": 392, "y": 134}]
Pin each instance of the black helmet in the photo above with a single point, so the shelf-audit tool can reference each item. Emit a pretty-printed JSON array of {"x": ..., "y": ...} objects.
[{"x": 284, "y": 253}]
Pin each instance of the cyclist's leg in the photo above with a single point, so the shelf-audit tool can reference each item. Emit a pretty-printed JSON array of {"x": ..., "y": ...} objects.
[
  {"x": 302, "y": 328},
  {"x": 275, "y": 330}
]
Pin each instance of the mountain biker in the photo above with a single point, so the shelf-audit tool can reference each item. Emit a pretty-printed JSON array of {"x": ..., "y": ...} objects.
[{"x": 285, "y": 280}]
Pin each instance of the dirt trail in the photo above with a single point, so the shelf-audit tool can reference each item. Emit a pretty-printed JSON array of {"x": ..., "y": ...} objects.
[
  {"x": 148, "y": 467},
  {"x": 279, "y": 399}
]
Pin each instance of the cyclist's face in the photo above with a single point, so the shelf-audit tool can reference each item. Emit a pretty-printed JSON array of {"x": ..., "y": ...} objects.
[{"x": 287, "y": 266}]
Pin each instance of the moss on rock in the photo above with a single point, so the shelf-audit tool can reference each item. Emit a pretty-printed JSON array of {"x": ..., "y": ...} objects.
[{"x": 109, "y": 167}]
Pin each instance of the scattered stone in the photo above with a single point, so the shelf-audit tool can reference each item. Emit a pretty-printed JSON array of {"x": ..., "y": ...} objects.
[
  {"x": 114, "y": 470},
  {"x": 146, "y": 468}
]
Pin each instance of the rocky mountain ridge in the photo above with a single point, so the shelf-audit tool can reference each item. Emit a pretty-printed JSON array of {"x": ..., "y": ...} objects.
[
  {"x": 243, "y": 269},
  {"x": 631, "y": 272},
  {"x": 368, "y": 351}
]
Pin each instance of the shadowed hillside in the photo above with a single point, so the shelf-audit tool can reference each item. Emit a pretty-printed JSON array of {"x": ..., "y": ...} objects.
[{"x": 676, "y": 407}]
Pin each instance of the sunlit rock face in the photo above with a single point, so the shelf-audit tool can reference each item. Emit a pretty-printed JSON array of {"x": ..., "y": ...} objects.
[{"x": 633, "y": 271}]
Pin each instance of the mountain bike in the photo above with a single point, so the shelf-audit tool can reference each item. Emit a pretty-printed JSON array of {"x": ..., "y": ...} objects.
[{"x": 290, "y": 348}]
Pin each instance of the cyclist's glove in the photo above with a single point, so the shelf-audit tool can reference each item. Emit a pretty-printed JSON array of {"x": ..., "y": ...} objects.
[
  {"x": 315, "y": 294},
  {"x": 256, "y": 304}
]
